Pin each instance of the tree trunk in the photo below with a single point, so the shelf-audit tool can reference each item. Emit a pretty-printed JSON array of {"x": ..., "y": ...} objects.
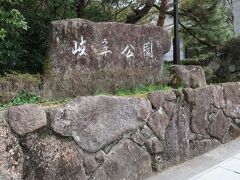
[
  {"x": 139, "y": 14},
  {"x": 80, "y": 8},
  {"x": 162, "y": 12}
]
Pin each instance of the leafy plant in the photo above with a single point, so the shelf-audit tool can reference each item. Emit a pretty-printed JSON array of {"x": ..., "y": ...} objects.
[
  {"x": 205, "y": 25},
  {"x": 12, "y": 84},
  {"x": 141, "y": 90},
  {"x": 23, "y": 97},
  {"x": 10, "y": 18}
]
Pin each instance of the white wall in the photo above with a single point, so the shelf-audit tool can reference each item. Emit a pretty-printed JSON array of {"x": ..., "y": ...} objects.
[
  {"x": 236, "y": 12},
  {"x": 169, "y": 27}
]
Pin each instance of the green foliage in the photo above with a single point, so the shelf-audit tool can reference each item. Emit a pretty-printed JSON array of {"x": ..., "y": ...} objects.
[
  {"x": 24, "y": 97},
  {"x": 229, "y": 62},
  {"x": 12, "y": 84},
  {"x": 25, "y": 26},
  {"x": 207, "y": 26},
  {"x": 209, "y": 73},
  {"x": 95, "y": 14},
  {"x": 231, "y": 49},
  {"x": 25, "y": 50},
  {"x": 12, "y": 23},
  {"x": 142, "y": 90},
  {"x": 10, "y": 18}
]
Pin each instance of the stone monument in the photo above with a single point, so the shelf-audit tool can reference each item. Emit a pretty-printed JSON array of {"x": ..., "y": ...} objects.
[{"x": 86, "y": 58}]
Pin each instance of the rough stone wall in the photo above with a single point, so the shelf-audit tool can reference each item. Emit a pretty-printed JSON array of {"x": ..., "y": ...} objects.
[
  {"x": 103, "y": 137},
  {"x": 86, "y": 57}
]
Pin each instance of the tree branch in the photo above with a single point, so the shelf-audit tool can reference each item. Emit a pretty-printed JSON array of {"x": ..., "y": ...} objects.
[
  {"x": 140, "y": 13},
  {"x": 195, "y": 36}
]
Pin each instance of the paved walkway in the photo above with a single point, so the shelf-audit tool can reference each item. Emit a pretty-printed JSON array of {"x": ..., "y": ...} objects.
[{"x": 222, "y": 163}]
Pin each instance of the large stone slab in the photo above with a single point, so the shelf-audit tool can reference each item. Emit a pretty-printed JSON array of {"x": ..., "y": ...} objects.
[
  {"x": 85, "y": 57},
  {"x": 96, "y": 121},
  {"x": 158, "y": 123},
  {"x": 125, "y": 161},
  {"x": 26, "y": 118},
  {"x": 219, "y": 126},
  {"x": 200, "y": 101},
  {"x": 187, "y": 76},
  {"x": 52, "y": 158},
  {"x": 218, "y": 97},
  {"x": 11, "y": 156},
  {"x": 232, "y": 96},
  {"x": 176, "y": 142},
  {"x": 158, "y": 98}
]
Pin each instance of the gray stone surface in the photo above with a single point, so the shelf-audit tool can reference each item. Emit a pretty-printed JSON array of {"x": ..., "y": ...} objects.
[
  {"x": 95, "y": 122},
  {"x": 232, "y": 96},
  {"x": 187, "y": 76},
  {"x": 26, "y": 118},
  {"x": 191, "y": 168},
  {"x": 199, "y": 147},
  {"x": 138, "y": 138},
  {"x": 120, "y": 137},
  {"x": 158, "y": 123},
  {"x": 153, "y": 145},
  {"x": 85, "y": 57},
  {"x": 219, "y": 126},
  {"x": 169, "y": 108},
  {"x": 100, "y": 156},
  {"x": 125, "y": 161},
  {"x": 52, "y": 158},
  {"x": 218, "y": 97},
  {"x": 146, "y": 132},
  {"x": 89, "y": 164},
  {"x": 177, "y": 135},
  {"x": 200, "y": 101},
  {"x": 11, "y": 156},
  {"x": 159, "y": 97}
]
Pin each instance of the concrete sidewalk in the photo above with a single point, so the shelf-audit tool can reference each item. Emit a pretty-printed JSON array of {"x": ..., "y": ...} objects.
[{"x": 222, "y": 163}]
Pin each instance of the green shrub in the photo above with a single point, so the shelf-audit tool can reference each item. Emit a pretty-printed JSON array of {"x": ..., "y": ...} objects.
[
  {"x": 24, "y": 97},
  {"x": 141, "y": 90},
  {"x": 11, "y": 85},
  {"x": 229, "y": 61}
]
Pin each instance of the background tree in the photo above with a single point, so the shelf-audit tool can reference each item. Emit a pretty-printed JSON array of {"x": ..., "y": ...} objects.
[
  {"x": 205, "y": 26},
  {"x": 11, "y": 24}
]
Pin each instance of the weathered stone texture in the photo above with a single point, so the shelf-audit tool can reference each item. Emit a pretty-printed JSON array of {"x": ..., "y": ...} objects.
[
  {"x": 200, "y": 101},
  {"x": 86, "y": 57},
  {"x": 187, "y": 76},
  {"x": 158, "y": 98},
  {"x": 176, "y": 143},
  {"x": 121, "y": 138},
  {"x": 219, "y": 126},
  {"x": 89, "y": 163},
  {"x": 232, "y": 96},
  {"x": 154, "y": 145},
  {"x": 218, "y": 96},
  {"x": 146, "y": 132},
  {"x": 52, "y": 158},
  {"x": 198, "y": 147},
  {"x": 26, "y": 118},
  {"x": 96, "y": 121},
  {"x": 125, "y": 161},
  {"x": 158, "y": 123},
  {"x": 11, "y": 156},
  {"x": 138, "y": 138}
]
